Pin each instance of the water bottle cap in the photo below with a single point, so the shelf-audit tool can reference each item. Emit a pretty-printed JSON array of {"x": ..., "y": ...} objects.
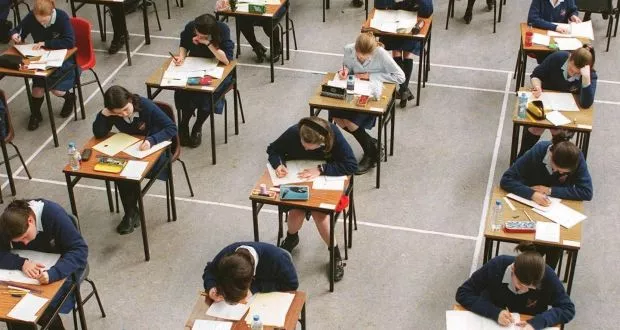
[
  {"x": 256, "y": 317},
  {"x": 71, "y": 144},
  {"x": 498, "y": 202}
]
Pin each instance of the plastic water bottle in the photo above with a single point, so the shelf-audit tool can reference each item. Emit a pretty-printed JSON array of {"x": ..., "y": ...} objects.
[
  {"x": 351, "y": 82},
  {"x": 74, "y": 157},
  {"x": 257, "y": 324},
  {"x": 522, "y": 105},
  {"x": 497, "y": 223}
]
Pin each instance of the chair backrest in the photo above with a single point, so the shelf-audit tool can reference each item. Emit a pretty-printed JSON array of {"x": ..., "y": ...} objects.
[
  {"x": 595, "y": 6},
  {"x": 10, "y": 133},
  {"x": 84, "y": 42},
  {"x": 167, "y": 109}
]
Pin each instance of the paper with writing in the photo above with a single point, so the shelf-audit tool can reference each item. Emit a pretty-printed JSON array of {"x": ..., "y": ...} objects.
[
  {"x": 27, "y": 308},
  {"x": 562, "y": 214},
  {"x": 115, "y": 144},
  {"x": 15, "y": 275},
  {"x": 555, "y": 101},
  {"x": 466, "y": 320},
  {"x": 134, "y": 169},
  {"x": 211, "y": 325},
  {"x": 557, "y": 118},
  {"x": 134, "y": 149},
  {"x": 271, "y": 307},
  {"x": 226, "y": 311},
  {"x": 547, "y": 231}
]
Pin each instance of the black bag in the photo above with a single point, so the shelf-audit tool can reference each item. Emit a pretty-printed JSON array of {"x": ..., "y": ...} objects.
[
  {"x": 5, "y": 29},
  {"x": 10, "y": 61}
]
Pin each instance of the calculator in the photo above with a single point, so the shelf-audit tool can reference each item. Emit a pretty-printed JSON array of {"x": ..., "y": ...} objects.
[{"x": 520, "y": 227}]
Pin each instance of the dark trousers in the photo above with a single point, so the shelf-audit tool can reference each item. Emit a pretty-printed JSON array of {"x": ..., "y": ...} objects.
[
  {"x": 246, "y": 26},
  {"x": 129, "y": 193},
  {"x": 117, "y": 14}
]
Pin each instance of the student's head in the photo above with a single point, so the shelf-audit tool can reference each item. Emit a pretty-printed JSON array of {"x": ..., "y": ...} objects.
[
  {"x": 579, "y": 58},
  {"x": 234, "y": 276},
  {"x": 120, "y": 101},
  {"x": 528, "y": 269},
  {"x": 43, "y": 10},
  {"x": 564, "y": 154},
  {"x": 18, "y": 222},
  {"x": 316, "y": 132},
  {"x": 205, "y": 27},
  {"x": 365, "y": 45}
]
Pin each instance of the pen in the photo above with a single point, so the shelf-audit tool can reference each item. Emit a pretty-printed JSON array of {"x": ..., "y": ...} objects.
[
  {"x": 173, "y": 57},
  {"x": 528, "y": 216}
]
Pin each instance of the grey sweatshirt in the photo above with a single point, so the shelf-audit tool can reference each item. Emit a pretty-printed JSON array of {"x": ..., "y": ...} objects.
[{"x": 380, "y": 65}]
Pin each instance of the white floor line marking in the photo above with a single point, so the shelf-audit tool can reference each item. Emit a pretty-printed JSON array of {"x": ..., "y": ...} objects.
[
  {"x": 19, "y": 91},
  {"x": 487, "y": 195},
  {"x": 64, "y": 124},
  {"x": 606, "y": 102},
  {"x": 248, "y": 208}
]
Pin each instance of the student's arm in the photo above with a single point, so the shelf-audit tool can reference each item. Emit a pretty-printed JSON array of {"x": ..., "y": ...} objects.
[
  {"x": 227, "y": 46},
  {"x": 349, "y": 59},
  {"x": 284, "y": 277},
  {"x": 102, "y": 125},
  {"x": 23, "y": 29},
  {"x": 160, "y": 119},
  {"x": 513, "y": 180},
  {"x": 588, "y": 89},
  {"x": 391, "y": 72},
  {"x": 541, "y": 71},
  {"x": 580, "y": 189},
  {"x": 277, "y": 150},
  {"x": 69, "y": 241},
  {"x": 562, "y": 308},
  {"x": 534, "y": 17},
  {"x": 343, "y": 160},
  {"x": 425, "y": 8},
  {"x": 66, "y": 39},
  {"x": 469, "y": 295},
  {"x": 571, "y": 8},
  {"x": 186, "y": 37}
]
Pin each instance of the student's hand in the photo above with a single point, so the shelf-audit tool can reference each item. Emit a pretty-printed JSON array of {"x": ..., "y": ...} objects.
[
  {"x": 44, "y": 278},
  {"x": 107, "y": 112},
  {"x": 561, "y": 29},
  {"x": 38, "y": 45},
  {"x": 585, "y": 71},
  {"x": 281, "y": 171},
  {"x": 309, "y": 173},
  {"x": 146, "y": 145},
  {"x": 213, "y": 295},
  {"x": 16, "y": 38},
  {"x": 505, "y": 318},
  {"x": 542, "y": 189},
  {"x": 536, "y": 91},
  {"x": 178, "y": 60},
  {"x": 575, "y": 19},
  {"x": 196, "y": 40},
  {"x": 524, "y": 326},
  {"x": 363, "y": 76},
  {"x": 342, "y": 74},
  {"x": 32, "y": 269},
  {"x": 541, "y": 199}
]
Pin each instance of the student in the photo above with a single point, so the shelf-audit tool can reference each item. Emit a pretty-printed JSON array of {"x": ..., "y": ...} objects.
[
  {"x": 136, "y": 115},
  {"x": 202, "y": 37},
  {"x": 551, "y": 168},
  {"x": 244, "y": 268},
  {"x": 312, "y": 138},
  {"x": 119, "y": 26},
  {"x": 563, "y": 72},
  {"x": 50, "y": 29},
  {"x": 42, "y": 225},
  {"x": 544, "y": 14},
  {"x": 470, "y": 6},
  {"x": 521, "y": 284},
  {"x": 403, "y": 50},
  {"x": 366, "y": 60}
]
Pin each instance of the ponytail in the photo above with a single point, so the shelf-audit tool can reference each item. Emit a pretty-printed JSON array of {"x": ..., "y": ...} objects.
[
  {"x": 564, "y": 153},
  {"x": 529, "y": 266}
]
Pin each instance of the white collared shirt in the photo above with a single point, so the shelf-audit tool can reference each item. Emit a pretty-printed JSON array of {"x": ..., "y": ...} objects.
[
  {"x": 547, "y": 161},
  {"x": 52, "y": 19},
  {"x": 565, "y": 73},
  {"x": 253, "y": 253},
  {"x": 129, "y": 119},
  {"x": 508, "y": 280},
  {"x": 556, "y": 4}
]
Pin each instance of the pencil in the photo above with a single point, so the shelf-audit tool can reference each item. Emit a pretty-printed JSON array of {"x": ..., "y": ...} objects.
[
  {"x": 173, "y": 57},
  {"x": 528, "y": 216}
]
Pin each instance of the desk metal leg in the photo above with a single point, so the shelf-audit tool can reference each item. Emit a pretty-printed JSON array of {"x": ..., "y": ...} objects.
[
  {"x": 366, "y": 8},
  {"x": 379, "y": 159},
  {"x": 101, "y": 30},
  {"x": 494, "y": 16},
  {"x": 311, "y": 111},
  {"x": 427, "y": 65},
  {"x": 514, "y": 145},
  {"x": 572, "y": 271},
  {"x": 28, "y": 92},
  {"x": 234, "y": 73},
  {"x": 80, "y": 305},
  {"x": 323, "y": 11},
  {"x": 127, "y": 37},
  {"x": 7, "y": 164},
  {"x": 71, "y": 195},
  {"x": 145, "y": 239},
  {"x": 212, "y": 124},
  {"x": 255, "y": 219},
  {"x": 419, "y": 82},
  {"x": 501, "y": 5},
  {"x": 271, "y": 48},
  {"x": 109, "y": 193},
  {"x": 147, "y": 32},
  {"x": 392, "y": 124},
  {"x": 332, "y": 265},
  {"x": 50, "y": 113},
  {"x": 288, "y": 57},
  {"x": 238, "y": 34},
  {"x": 173, "y": 203},
  {"x": 488, "y": 249}
]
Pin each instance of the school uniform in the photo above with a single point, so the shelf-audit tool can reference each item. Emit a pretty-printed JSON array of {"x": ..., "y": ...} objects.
[
  {"x": 553, "y": 73},
  {"x": 247, "y": 24},
  {"x": 148, "y": 120},
  {"x": 381, "y": 67},
  {"x": 425, "y": 10},
  {"x": 490, "y": 290},
  {"x": 543, "y": 14},
  {"x": 56, "y": 233},
  {"x": 339, "y": 161},
  {"x": 273, "y": 267}
]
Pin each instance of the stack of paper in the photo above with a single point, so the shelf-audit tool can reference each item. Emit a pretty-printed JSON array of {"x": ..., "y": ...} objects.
[
  {"x": 226, "y": 311},
  {"x": 568, "y": 43},
  {"x": 134, "y": 169},
  {"x": 49, "y": 59},
  {"x": 329, "y": 183},
  {"x": 393, "y": 20},
  {"x": 47, "y": 259},
  {"x": 362, "y": 87},
  {"x": 556, "y": 101},
  {"x": 557, "y": 118},
  {"x": 541, "y": 39},
  {"x": 271, "y": 307},
  {"x": 547, "y": 231},
  {"x": 134, "y": 149},
  {"x": 562, "y": 214},
  {"x": 211, "y": 325},
  {"x": 115, "y": 144},
  {"x": 466, "y": 320},
  {"x": 27, "y": 308},
  {"x": 192, "y": 67},
  {"x": 533, "y": 204},
  {"x": 28, "y": 51},
  {"x": 294, "y": 167},
  {"x": 576, "y": 30}
]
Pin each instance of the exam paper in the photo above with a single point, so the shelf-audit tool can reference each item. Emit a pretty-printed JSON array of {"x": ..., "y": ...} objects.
[
  {"x": 271, "y": 307},
  {"x": 547, "y": 231},
  {"x": 15, "y": 275},
  {"x": 562, "y": 214},
  {"x": 466, "y": 320},
  {"x": 134, "y": 149},
  {"x": 392, "y": 20},
  {"x": 27, "y": 308},
  {"x": 533, "y": 204},
  {"x": 324, "y": 182},
  {"x": 580, "y": 30},
  {"x": 115, "y": 143},
  {"x": 293, "y": 167},
  {"x": 555, "y": 101},
  {"x": 362, "y": 87},
  {"x": 134, "y": 169},
  {"x": 49, "y": 59},
  {"x": 557, "y": 118},
  {"x": 26, "y": 50},
  {"x": 226, "y": 311},
  {"x": 568, "y": 43},
  {"x": 541, "y": 39},
  {"x": 211, "y": 325}
]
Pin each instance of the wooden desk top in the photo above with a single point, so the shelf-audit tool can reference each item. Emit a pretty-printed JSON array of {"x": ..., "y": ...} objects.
[
  {"x": 270, "y": 10},
  {"x": 540, "y": 48},
  {"x": 330, "y": 103},
  {"x": 424, "y": 33},
  {"x": 584, "y": 116},
  {"x": 200, "y": 313},
  {"x": 7, "y": 302},
  {"x": 99, "y": 1},
  {"x": 87, "y": 168},
  {"x": 154, "y": 80},
  {"x": 573, "y": 234},
  {"x": 30, "y": 73},
  {"x": 317, "y": 197}
]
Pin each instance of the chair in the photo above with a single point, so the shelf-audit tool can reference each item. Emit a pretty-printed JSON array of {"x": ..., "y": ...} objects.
[
  {"x": 15, "y": 6},
  {"x": 10, "y": 134},
  {"x": 283, "y": 32},
  {"x": 604, "y": 7},
  {"x": 84, "y": 277},
  {"x": 85, "y": 56},
  {"x": 168, "y": 6}
]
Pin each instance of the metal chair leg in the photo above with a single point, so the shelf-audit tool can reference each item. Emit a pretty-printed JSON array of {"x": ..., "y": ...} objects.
[
  {"x": 280, "y": 226},
  {"x": 21, "y": 159},
  {"x": 238, "y": 96},
  {"x": 189, "y": 184},
  {"x": 225, "y": 121},
  {"x": 96, "y": 296},
  {"x": 294, "y": 36},
  {"x": 116, "y": 196},
  {"x": 168, "y": 200},
  {"x": 98, "y": 81}
]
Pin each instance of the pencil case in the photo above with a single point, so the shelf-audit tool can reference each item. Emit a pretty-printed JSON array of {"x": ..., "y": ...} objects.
[
  {"x": 536, "y": 109},
  {"x": 199, "y": 81}
]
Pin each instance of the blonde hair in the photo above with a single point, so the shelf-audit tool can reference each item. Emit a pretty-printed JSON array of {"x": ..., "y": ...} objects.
[
  {"x": 366, "y": 43},
  {"x": 316, "y": 130},
  {"x": 44, "y": 7}
]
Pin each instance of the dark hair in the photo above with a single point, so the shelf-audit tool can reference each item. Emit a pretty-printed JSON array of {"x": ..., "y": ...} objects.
[
  {"x": 207, "y": 24},
  {"x": 14, "y": 219},
  {"x": 564, "y": 153},
  {"x": 234, "y": 275},
  {"x": 529, "y": 266},
  {"x": 583, "y": 56},
  {"x": 316, "y": 130},
  {"x": 117, "y": 97}
]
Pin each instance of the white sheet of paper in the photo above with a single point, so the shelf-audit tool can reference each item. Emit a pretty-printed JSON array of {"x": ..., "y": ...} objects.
[
  {"x": 532, "y": 203},
  {"x": 568, "y": 43},
  {"x": 329, "y": 183},
  {"x": 47, "y": 259},
  {"x": 27, "y": 308},
  {"x": 223, "y": 310},
  {"x": 556, "y": 101},
  {"x": 327, "y": 206},
  {"x": 294, "y": 167},
  {"x": 362, "y": 87},
  {"x": 562, "y": 214},
  {"x": 192, "y": 64},
  {"x": 49, "y": 59},
  {"x": 392, "y": 20},
  {"x": 583, "y": 29},
  {"x": 26, "y": 50},
  {"x": 134, "y": 169},
  {"x": 243, "y": 7},
  {"x": 271, "y": 307},
  {"x": 134, "y": 149},
  {"x": 115, "y": 143},
  {"x": 216, "y": 72},
  {"x": 557, "y": 118},
  {"x": 211, "y": 325},
  {"x": 541, "y": 39},
  {"x": 547, "y": 231},
  {"x": 466, "y": 320},
  {"x": 168, "y": 82}
]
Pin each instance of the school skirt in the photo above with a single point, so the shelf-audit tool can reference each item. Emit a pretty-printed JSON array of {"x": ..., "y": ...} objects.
[
  {"x": 65, "y": 83},
  {"x": 360, "y": 119},
  {"x": 188, "y": 101}
]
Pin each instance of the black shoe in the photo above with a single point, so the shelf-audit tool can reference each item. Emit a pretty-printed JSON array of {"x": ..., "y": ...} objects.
[
  {"x": 339, "y": 269},
  {"x": 357, "y": 3},
  {"x": 67, "y": 107},
  {"x": 468, "y": 16},
  {"x": 195, "y": 140},
  {"x": 128, "y": 223},
  {"x": 376, "y": 142},
  {"x": 184, "y": 135},
  {"x": 290, "y": 242},
  {"x": 490, "y": 4},
  {"x": 275, "y": 57},
  {"x": 33, "y": 122},
  {"x": 406, "y": 95},
  {"x": 365, "y": 164},
  {"x": 116, "y": 45},
  {"x": 261, "y": 53}
]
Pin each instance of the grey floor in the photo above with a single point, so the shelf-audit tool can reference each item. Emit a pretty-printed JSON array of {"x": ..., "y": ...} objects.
[{"x": 419, "y": 235}]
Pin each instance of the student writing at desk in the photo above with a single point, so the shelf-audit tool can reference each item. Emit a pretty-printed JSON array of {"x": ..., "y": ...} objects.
[
  {"x": 244, "y": 268},
  {"x": 545, "y": 14},
  {"x": 365, "y": 59},
  {"x": 136, "y": 115},
  {"x": 203, "y": 37},
  {"x": 563, "y": 72},
  {"x": 44, "y": 226},
  {"x": 551, "y": 168},
  {"x": 403, "y": 49},
  {"x": 312, "y": 138},
  {"x": 521, "y": 284},
  {"x": 50, "y": 29}
]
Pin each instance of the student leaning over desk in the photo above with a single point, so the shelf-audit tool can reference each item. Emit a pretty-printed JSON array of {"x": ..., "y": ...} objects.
[
  {"x": 136, "y": 115},
  {"x": 44, "y": 226},
  {"x": 367, "y": 60},
  {"x": 312, "y": 138},
  {"x": 50, "y": 29},
  {"x": 569, "y": 72},
  {"x": 521, "y": 284},
  {"x": 202, "y": 37}
]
